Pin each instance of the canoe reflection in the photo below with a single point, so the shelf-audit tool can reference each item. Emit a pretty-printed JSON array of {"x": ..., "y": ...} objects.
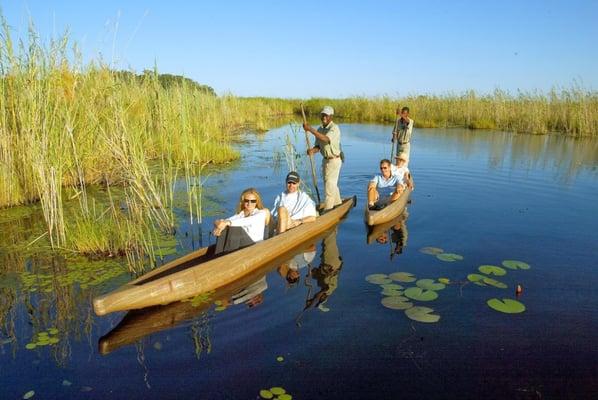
[
  {"x": 393, "y": 232},
  {"x": 248, "y": 290}
]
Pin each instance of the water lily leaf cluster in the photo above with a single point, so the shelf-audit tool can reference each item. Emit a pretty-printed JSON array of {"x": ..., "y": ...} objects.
[
  {"x": 399, "y": 297},
  {"x": 202, "y": 298},
  {"x": 277, "y": 393},
  {"x": 44, "y": 338},
  {"x": 441, "y": 254}
]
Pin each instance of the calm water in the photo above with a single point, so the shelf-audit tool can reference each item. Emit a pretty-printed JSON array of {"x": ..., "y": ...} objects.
[{"x": 484, "y": 195}]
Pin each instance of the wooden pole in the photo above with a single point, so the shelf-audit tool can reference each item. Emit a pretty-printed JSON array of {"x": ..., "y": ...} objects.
[
  {"x": 392, "y": 151},
  {"x": 311, "y": 157}
]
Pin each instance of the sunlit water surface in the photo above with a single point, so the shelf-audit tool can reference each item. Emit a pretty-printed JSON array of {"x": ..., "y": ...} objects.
[{"x": 487, "y": 196}]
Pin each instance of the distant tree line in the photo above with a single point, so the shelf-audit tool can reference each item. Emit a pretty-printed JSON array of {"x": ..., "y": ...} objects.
[{"x": 166, "y": 80}]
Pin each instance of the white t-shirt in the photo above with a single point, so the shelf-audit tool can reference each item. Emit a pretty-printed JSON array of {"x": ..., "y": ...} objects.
[
  {"x": 302, "y": 259},
  {"x": 400, "y": 173},
  {"x": 298, "y": 204},
  {"x": 253, "y": 224}
]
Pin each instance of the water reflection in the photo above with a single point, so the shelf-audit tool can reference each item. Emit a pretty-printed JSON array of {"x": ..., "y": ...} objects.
[{"x": 393, "y": 233}]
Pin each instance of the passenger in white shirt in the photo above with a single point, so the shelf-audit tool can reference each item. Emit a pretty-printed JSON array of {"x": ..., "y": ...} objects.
[
  {"x": 293, "y": 207},
  {"x": 385, "y": 188},
  {"x": 251, "y": 216}
]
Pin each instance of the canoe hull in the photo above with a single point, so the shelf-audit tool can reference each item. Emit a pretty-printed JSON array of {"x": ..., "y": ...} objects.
[
  {"x": 159, "y": 287},
  {"x": 389, "y": 212}
]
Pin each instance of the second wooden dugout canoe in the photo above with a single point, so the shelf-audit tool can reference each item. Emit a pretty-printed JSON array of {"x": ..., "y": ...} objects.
[
  {"x": 198, "y": 272},
  {"x": 388, "y": 213}
]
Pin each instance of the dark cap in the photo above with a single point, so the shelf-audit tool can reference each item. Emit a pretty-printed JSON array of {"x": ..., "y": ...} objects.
[{"x": 293, "y": 177}]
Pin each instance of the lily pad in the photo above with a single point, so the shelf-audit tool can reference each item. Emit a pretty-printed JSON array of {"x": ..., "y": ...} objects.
[
  {"x": 429, "y": 284},
  {"x": 515, "y": 264},
  {"x": 277, "y": 390},
  {"x": 422, "y": 314},
  {"x": 396, "y": 303},
  {"x": 30, "y": 346},
  {"x": 391, "y": 292},
  {"x": 285, "y": 396},
  {"x": 449, "y": 257},
  {"x": 66, "y": 382},
  {"x": 280, "y": 358},
  {"x": 495, "y": 283},
  {"x": 508, "y": 306},
  {"x": 402, "y": 277},
  {"x": 53, "y": 340},
  {"x": 431, "y": 250},
  {"x": 492, "y": 270},
  {"x": 446, "y": 281},
  {"x": 266, "y": 394},
  {"x": 53, "y": 331},
  {"x": 29, "y": 394},
  {"x": 220, "y": 308},
  {"x": 394, "y": 286},
  {"x": 378, "y": 279},
  {"x": 420, "y": 294},
  {"x": 477, "y": 279}
]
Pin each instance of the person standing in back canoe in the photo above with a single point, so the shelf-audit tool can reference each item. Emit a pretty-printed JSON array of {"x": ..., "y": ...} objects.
[
  {"x": 328, "y": 143},
  {"x": 401, "y": 134}
]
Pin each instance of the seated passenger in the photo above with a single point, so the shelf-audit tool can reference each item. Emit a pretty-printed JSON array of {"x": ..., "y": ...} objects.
[
  {"x": 293, "y": 207},
  {"x": 387, "y": 187},
  {"x": 252, "y": 219}
]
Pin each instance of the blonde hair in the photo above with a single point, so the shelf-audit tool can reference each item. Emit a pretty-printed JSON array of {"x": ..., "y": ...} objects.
[{"x": 259, "y": 204}]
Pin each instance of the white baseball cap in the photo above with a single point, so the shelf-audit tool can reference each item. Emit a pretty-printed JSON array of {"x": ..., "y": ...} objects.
[{"x": 327, "y": 110}]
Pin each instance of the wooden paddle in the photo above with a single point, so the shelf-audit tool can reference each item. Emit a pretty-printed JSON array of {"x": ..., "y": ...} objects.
[{"x": 311, "y": 157}]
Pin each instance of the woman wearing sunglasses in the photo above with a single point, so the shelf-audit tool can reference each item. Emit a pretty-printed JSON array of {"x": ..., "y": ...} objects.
[{"x": 251, "y": 216}]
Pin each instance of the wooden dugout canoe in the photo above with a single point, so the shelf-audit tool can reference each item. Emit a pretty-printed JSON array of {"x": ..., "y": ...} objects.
[
  {"x": 138, "y": 324},
  {"x": 199, "y": 272},
  {"x": 388, "y": 213}
]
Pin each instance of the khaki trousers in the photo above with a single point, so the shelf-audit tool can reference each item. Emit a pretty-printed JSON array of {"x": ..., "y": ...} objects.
[{"x": 331, "y": 170}]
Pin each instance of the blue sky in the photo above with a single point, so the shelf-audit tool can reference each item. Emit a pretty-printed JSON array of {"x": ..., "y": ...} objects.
[{"x": 334, "y": 48}]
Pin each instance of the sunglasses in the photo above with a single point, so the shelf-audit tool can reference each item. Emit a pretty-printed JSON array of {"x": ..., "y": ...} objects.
[
  {"x": 252, "y": 201},
  {"x": 291, "y": 183}
]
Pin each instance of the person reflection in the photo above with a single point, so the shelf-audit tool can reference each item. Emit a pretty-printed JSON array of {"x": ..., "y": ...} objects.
[
  {"x": 251, "y": 296},
  {"x": 326, "y": 274},
  {"x": 290, "y": 269},
  {"x": 400, "y": 234}
]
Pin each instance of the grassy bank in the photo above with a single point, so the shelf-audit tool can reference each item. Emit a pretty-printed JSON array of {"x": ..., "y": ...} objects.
[{"x": 572, "y": 111}]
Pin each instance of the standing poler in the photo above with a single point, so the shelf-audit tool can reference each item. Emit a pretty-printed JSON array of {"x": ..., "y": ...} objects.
[
  {"x": 401, "y": 134},
  {"x": 328, "y": 143}
]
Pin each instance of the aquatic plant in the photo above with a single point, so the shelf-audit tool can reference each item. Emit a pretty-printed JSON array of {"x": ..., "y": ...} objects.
[{"x": 507, "y": 306}]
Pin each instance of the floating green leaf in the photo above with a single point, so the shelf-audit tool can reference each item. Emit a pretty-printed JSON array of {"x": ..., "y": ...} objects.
[
  {"x": 477, "y": 279},
  {"x": 495, "y": 283},
  {"x": 515, "y": 264},
  {"x": 508, "y": 306},
  {"x": 391, "y": 292},
  {"x": 446, "y": 281},
  {"x": 66, "y": 383},
  {"x": 277, "y": 390},
  {"x": 431, "y": 250},
  {"x": 220, "y": 308},
  {"x": 449, "y": 257},
  {"x": 396, "y": 303},
  {"x": 266, "y": 394},
  {"x": 422, "y": 314},
  {"x": 30, "y": 346},
  {"x": 53, "y": 331},
  {"x": 420, "y": 294},
  {"x": 492, "y": 270},
  {"x": 280, "y": 358},
  {"x": 29, "y": 394},
  {"x": 285, "y": 396},
  {"x": 394, "y": 286},
  {"x": 53, "y": 340},
  {"x": 402, "y": 277},
  {"x": 158, "y": 345},
  {"x": 429, "y": 284},
  {"x": 378, "y": 279}
]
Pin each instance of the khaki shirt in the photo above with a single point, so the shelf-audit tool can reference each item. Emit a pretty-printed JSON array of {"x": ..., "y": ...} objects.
[
  {"x": 403, "y": 130},
  {"x": 334, "y": 134}
]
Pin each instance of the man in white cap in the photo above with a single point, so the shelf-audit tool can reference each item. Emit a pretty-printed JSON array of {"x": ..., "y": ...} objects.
[
  {"x": 293, "y": 207},
  {"x": 328, "y": 143}
]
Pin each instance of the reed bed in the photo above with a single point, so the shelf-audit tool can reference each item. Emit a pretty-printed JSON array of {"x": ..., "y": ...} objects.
[{"x": 571, "y": 111}]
